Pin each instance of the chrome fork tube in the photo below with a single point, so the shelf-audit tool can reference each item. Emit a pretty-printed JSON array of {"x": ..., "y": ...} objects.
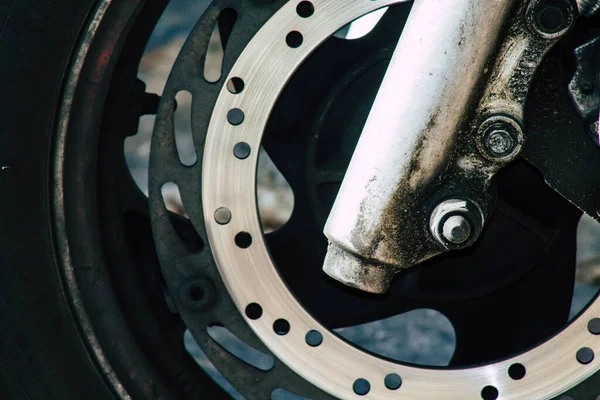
[{"x": 441, "y": 59}]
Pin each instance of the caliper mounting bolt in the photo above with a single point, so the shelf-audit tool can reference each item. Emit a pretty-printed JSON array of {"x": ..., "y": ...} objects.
[
  {"x": 499, "y": 143},
  {"x": 456, "y": 223},
  {"x": 501, "y": 138}
]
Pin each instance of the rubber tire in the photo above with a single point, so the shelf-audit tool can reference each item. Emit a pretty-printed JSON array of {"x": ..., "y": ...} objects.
[{"x": 42, "y": 351}]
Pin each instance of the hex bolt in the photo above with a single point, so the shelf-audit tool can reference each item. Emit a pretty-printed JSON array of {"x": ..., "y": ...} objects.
[
  {"x": 501, "y": 138},
  {"x": 456, "y": 223},
  {"x": 456, "y": 229},
  {"x": 553, "y": 18},
  {"x": 500, "y": 143}
]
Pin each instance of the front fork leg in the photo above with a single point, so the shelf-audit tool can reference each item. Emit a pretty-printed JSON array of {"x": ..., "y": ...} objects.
[{"x": 448, "y": 115}]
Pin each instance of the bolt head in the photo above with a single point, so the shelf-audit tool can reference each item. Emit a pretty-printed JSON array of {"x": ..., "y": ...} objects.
[
  {"x": 500, "y": 139},
  {"x": 456, "y": 223},
  {"x": 456, "y": 229},
  {"x": 500, "y": 143}
]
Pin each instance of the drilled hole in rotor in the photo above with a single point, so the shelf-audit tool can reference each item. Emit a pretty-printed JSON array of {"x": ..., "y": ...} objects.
[
  {"x": 254, "y": 311},
  {"x": 393, "y": 381},
  {"x": 361, "y": 386},
  {"x": 489, "y": 393},
  {"x": 594, "y": 326},
  {"x": 314, "y": 338},
  {"x": 230, "y": 342},
  {"x": 241, "y": 150},
  {"x": 305, "y": 9},
  {"x": 235, "y": 85},
  {"x": 294, "y": 39},
  {"x": 243, "y": 240},
  {"x": 585, "y": 355},
  {"x": 516, "y": 371},
  {"x": 222, "y": 216},
  {"x": 281, "y": 327},
  {"x": 182, "y": 119},
  {"x": 213, "y": 62},
  {"x": 235, "y": 116},
  {"x": 362, "y": 26}
]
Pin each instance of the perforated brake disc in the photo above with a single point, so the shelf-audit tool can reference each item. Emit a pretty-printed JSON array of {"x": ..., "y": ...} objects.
[{"x": 241, "y": 285}]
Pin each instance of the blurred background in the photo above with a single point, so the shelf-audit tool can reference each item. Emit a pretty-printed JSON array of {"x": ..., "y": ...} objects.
[{"x": 423, "y": 336}]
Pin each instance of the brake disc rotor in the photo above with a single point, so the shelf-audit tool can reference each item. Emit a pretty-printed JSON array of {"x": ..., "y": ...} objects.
[{"x": 224, "y": 213}]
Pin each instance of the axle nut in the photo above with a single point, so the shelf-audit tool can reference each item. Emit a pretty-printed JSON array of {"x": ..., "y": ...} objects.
[
  {"x": 456, "y": 223},
  {"x": 499, "y": 142}
]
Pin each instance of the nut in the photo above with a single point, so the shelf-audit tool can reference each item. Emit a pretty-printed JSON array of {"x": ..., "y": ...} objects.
[{"x": 456, "y": 223}]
